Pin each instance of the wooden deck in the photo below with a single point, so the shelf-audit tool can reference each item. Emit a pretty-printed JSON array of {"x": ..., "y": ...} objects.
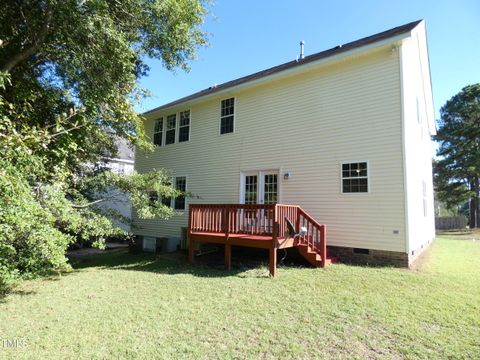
[{"x": 256, "y": 226}]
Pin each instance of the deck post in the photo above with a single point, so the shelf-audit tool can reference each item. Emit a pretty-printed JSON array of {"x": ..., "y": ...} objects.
[
  {"x": 273, "y": 261},
  {"x": 191, "y": 243},
  {"x": 228, "y": 256},
  {"x": 323, "y": 245}
]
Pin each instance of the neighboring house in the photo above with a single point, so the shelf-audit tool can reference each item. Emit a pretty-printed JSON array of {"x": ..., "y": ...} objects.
[
  {"x": 121, "y": 164},
  {"x": 344, "y": 133}
]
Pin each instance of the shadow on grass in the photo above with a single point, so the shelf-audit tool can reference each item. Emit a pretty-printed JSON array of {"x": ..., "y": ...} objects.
[
  {"x": 11, "y": 290},
  {"x": 245, "y": 263},
  {"x": 171, "y": 264},
  {"x": 461, "y": 234}
]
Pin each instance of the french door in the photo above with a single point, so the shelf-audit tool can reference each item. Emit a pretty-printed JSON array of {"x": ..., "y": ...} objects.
[{"x": 259, "y": 187}]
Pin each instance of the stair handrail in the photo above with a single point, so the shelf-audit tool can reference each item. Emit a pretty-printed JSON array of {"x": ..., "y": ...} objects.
[{"x": 321, "y": 247}]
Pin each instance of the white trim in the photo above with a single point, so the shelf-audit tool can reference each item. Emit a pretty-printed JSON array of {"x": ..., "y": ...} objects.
[
  {"x": 234, "y": 115},
  {"x": 175, "y": 129},
  {"x": 172, "y": 205},
  {"x": 189, "y": 125},
  {"x": 162, "y": 140},
  {"x": 368, "y": 178},
  {"x": 260, "y": 184},
  {"x": 404, "y": 160}
]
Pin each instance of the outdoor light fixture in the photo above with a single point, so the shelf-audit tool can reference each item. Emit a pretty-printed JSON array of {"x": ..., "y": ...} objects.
[{"x": 286, "y": 176}]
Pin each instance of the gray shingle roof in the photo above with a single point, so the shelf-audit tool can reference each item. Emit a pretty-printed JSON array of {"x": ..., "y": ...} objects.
[{"x": 295, "y": 63}]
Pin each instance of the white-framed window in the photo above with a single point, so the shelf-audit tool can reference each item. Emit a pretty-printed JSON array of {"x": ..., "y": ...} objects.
[
  {"x": 227, "y": 115},
  {"x": 184, "y": 126},
  {"x": 171, "y": 129},
  {"x": 181, "y": 185},
  {"x": 259, "y": 187},
  {"x": 355, "y": 177},
  {"x": 167, "y": 130},
  {"x": 178, "y": 203},
  {"x": 158, "y": 132}
]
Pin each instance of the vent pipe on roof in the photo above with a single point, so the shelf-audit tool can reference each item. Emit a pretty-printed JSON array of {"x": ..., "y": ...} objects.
[{"x": 302, "y": 45}]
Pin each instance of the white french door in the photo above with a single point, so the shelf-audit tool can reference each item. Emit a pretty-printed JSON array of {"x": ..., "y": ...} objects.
[{"x": 259, "y": 187}]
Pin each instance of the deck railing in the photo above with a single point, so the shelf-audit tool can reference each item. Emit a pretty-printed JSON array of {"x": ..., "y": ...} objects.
[
  {"x": 232, "y": 218},
  {"x": 316, "y": 234},
  {"x": 266, "y": 220}
]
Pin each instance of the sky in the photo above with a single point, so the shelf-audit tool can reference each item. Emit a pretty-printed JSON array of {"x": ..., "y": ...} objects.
[{"x": 246, "y": 36}]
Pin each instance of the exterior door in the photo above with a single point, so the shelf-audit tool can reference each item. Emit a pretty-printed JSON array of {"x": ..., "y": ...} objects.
[{"x": 259, "y": 187}]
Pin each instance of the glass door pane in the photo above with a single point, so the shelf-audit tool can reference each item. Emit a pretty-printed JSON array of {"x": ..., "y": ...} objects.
[
  {"x": 270, "y": 188},
  {"x": 251, "y": 189}
]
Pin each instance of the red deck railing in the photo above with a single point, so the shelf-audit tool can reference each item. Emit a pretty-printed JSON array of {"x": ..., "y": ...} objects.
[
  {"x": 266, "y": 220},
  {"x": 220, "y": 221}
]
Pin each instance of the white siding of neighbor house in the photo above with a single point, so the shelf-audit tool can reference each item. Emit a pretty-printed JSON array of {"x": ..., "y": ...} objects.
[
  {"x": 418, "y": 128},
  {"x": 306, "y": 124}
]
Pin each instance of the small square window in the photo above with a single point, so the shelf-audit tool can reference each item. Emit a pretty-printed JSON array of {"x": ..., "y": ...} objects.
[{"x": 355, "y": 177}]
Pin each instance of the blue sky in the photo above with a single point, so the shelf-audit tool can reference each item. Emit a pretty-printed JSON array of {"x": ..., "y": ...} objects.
[{"x": 251, "y": 35}]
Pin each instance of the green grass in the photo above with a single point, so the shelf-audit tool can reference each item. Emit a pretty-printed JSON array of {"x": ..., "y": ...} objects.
[{"x": 126, "y": 306}]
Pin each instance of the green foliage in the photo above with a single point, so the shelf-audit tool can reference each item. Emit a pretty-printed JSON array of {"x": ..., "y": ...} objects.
[
  {"x": 457, "y": 172},
  {"x": 69, "y": 73}
]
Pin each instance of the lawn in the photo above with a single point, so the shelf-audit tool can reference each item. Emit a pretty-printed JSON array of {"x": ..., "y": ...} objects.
[{"x": 123, "y": 306}]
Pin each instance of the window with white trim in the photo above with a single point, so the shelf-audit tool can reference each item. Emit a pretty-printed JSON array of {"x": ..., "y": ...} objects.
[
  {"x": 180, "y": 185},
  {"x": 251, "y": 189},
  {"x": 227, "y": 116},
  {"x": 158, "y": 132},
  {"x": 184, "y": 126},
  {"x": 355, "y": 177},
  {"x": 171, "y": 127}
]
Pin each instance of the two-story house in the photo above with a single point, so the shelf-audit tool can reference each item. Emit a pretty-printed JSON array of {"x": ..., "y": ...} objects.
[{"x": 343, "y": 133}]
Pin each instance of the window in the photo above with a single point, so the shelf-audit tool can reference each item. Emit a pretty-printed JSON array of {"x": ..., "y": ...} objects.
[
  {"x": 354, "y": 178},
  {"x": 226, "y": 116},
  {"x": 270, "y": 189},
  {"x": 251, "y": 189},
  {"x": 167, "y": 201},
  {"x": 184, "y": 127},
  {"x": 152, "y": 197},
  {"x": 171, "y": 126},
  {"x": 158, "y": 132},
  {"x": 180, "y": 185}
]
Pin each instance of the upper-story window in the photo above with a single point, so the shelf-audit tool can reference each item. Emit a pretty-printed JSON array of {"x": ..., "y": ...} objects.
[
  {"x": 355, "y": 177},
  {"x": 168, "y": 130},
  {"x": 227, "y": 116},
  {"x": 158, "y": 132},
  {"x": 171, "y": 127},
  {"x": 184, "y": 126}
]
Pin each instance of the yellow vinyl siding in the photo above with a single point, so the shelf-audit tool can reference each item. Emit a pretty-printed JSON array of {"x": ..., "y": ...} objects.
[{"x": 306, "y": 124}]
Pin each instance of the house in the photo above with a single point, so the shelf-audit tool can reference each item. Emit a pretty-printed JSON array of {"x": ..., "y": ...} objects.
[
  {"x": 343, "y": 133},
  {"x": 121, "y": 163}
]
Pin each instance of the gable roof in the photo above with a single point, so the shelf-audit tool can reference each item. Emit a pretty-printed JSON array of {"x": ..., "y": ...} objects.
[{"x": 292, "y": 64}]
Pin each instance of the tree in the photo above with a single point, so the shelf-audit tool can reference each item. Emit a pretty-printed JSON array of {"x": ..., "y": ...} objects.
[
  {"x": 458, "y": 170},
  {"x": 69, "y": 72}
]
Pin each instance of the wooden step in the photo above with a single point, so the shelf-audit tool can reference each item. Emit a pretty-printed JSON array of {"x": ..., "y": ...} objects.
[{"x": 311, "y": 256}]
